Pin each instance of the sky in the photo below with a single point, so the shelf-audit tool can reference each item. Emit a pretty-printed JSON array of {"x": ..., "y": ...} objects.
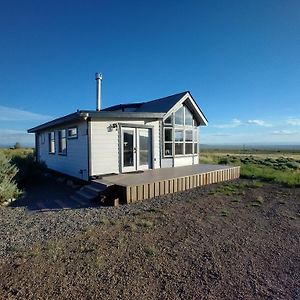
[{"x": 239, "y": 59}]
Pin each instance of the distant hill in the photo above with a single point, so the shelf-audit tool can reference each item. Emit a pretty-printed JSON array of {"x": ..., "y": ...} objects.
[{"x": 252, "y": 147}]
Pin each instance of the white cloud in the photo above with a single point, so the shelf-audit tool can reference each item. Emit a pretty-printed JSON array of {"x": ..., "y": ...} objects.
[
  {"x": 234, "y": 123},
  {"x": 283, "y": 132},
  {"x": 259, "y": 123},
  {"x": 8, "y": 137},
  {"x": 293, "y": 121},
  {"x": 14, "y": 114}
]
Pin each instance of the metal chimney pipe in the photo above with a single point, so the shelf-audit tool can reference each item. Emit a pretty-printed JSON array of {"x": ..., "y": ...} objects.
[{"x": 98, "y": 91}]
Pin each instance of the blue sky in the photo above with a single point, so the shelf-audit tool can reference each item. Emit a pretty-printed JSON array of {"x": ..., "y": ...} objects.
[{"x": 239, "y": 59}]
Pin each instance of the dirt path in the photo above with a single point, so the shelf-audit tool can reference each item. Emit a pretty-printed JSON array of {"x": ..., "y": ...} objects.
[{"x": 237, "y": 241}]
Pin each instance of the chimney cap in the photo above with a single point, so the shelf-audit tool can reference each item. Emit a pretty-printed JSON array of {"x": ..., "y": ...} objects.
[{"x": 98, "y": 76}]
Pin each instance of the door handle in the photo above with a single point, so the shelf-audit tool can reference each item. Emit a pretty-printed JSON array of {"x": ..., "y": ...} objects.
[{"x": 134, "y": 149}]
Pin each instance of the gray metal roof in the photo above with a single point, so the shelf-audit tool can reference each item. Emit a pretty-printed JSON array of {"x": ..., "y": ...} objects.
[
  {"x": 96, "y": 115},
  {"x": 154, "y": 109},
  {"x": 162, "y": 105}
]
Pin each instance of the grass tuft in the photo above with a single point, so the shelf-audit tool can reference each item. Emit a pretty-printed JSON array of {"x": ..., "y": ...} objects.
[{"x": 150, "y": 251}]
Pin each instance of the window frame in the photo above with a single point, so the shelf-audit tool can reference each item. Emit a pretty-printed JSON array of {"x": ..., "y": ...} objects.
[
  {"x": 60, "y": 152},
  {"x": 184, "y": 128},
  {"x": 72, "y": 137},
  {"x": 168, "y": 142},
  {"x": 50, "y": 139}
]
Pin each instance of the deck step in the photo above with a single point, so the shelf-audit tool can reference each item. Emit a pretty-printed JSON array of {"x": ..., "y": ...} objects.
[{"x": 89, "y": 193}]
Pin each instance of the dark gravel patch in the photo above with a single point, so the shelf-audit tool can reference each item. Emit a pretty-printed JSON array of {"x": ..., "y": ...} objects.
[{"x": 235, "y": 241}]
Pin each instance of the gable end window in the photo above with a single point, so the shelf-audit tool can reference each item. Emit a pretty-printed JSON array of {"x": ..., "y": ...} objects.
[
  {"x": 51, "y": 140},
  {"x": 62, "y": 142},
  {"x": 180, "y": 133},
  {"x": 73, "y": 133}
]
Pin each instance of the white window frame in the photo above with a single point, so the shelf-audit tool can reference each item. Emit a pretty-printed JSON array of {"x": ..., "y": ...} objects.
[
  {"x": 70, "y": 137},
  {"x": 60, "y": 152},
  {"x": 168, "y": 142},
  {"x": 50, "y": 140},
  {"x": 184, "y": 128}
]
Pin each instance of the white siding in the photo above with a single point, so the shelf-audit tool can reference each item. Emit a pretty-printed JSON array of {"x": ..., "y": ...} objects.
[
  {"x": 105, "y": 147},
  {"x": 167, "y": 162},
  {"x": 75, "y": 163}
]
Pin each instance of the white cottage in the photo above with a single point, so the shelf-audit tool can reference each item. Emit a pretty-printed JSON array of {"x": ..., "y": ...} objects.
[{"x": 122, "y": 138}]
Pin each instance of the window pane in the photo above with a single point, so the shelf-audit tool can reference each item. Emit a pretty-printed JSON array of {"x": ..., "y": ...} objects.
[
  {"x": 195, "y": 148},
  {"x": 168, "y": 135},
  {"x": 188, "y": 148},
  {"x": 51, "y": 140},
  {"x": 168, "y": 149},
  {"x": 178, "y": 148},
  {"x": 188, "y": 135},
  {"x": 188, "y": 117},
  {"x": 178, "y": 135},
  {"x": 179, "y": 116},
  {"x": 62, "y": 144},
  {"x": 128, "y": 145},
  {"x": 144, "y": 143},
  {"x": 168, "y": 120}
]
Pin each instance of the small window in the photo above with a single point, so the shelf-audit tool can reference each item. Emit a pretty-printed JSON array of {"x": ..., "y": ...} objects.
[
  {"x": 178, "y": 148},
  {"x": 188, "y": 117},
  {"x": 179, "y": 135},
  {"x": 72, "y": 133},
  {"x": 179, "y": 116},
  {"x": 169, "y": 120},
  {"x": 168, "y": 142},
  {"x": 62, "y": 142},
  {"x": 51, "y": 139}
]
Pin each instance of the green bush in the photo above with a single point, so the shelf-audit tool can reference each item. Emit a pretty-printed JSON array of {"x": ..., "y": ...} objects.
[{"x": 8, "y": 187}]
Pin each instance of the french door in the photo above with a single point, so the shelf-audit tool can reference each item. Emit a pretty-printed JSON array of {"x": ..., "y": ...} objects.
[{"x": 136, "y": 148}]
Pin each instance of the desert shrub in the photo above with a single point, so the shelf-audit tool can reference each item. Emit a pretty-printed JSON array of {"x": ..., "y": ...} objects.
[
  {"x": 8, "y": 187},
  {"x": 223, "y": 161},
  {"x": 17, "y": 146}
]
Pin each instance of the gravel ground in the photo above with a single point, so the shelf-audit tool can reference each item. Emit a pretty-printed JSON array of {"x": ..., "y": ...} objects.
[{"x": 225, "y": 241}]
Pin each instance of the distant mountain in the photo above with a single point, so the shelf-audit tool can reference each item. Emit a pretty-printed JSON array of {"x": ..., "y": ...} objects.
[{"x": 251, "y": 147}]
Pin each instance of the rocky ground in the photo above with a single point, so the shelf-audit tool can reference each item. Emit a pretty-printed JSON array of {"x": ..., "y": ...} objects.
[{"x": 227, "y": 241}]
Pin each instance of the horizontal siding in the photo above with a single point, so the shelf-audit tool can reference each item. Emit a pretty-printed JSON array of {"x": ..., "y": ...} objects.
[
  {"x": 183, "y": 161},
  {"x": 105, "y": 156},
  {"x": 76, "y": 159},
  {"x": 104, "y": 148}
]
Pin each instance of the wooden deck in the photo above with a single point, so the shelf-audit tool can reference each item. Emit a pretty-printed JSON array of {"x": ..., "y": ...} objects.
[{"x": 132, "y": 187}]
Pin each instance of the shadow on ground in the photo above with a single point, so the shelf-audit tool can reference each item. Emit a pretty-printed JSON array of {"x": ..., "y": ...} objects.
[{"x": 47, "y": 194}]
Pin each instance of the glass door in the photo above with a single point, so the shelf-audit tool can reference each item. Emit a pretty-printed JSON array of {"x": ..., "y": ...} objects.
[
  {"x": 128, "y": 149},
  {"x": 144, "y": 148},
  {"x": 136, "y": 151}
]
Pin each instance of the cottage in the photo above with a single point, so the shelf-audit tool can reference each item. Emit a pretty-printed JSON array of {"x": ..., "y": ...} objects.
[
  {"x": 159, "y": 138},
  {"x": 122, "y": 138}
]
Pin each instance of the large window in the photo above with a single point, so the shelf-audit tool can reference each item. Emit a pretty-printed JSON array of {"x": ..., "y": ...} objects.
[
  {"x": 51, "y": 140},
  {"x": 180, "y": 133},
  {"x": 62, "y": 142}
]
